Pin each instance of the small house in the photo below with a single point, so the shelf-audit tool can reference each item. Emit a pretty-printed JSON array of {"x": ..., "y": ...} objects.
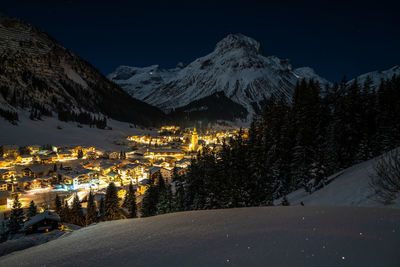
[{"x": 43, "y": 222}]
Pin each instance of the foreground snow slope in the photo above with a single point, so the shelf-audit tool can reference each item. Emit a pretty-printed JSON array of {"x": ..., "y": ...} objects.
[
  {"x": 266, "y": 236},
  {"x": 350, "y": 187}
]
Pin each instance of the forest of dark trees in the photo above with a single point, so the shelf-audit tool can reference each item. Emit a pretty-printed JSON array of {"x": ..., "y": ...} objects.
[{"x": 293, "y": 145}]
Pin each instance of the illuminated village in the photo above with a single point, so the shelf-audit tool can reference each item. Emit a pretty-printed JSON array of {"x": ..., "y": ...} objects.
[{"x": 38, "y": 173}]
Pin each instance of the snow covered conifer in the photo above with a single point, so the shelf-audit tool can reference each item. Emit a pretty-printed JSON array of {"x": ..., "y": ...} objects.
[
  {"x": 91, "y": 211},
  {"x": 76, "y": 211},
  {"x": 58, "y": 204},
  {"x": 112, "y": 209},
  {"x": 17, "y": 216},
  {"x": 130, "y": 202},
  {"x": 32, "y": 210}
]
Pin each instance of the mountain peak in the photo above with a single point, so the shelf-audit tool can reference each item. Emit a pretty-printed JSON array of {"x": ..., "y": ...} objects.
[{"x": 238, "y": 41}]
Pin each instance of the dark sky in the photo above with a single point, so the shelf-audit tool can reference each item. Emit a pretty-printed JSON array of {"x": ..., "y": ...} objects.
[{"x": 333, "y": 37}]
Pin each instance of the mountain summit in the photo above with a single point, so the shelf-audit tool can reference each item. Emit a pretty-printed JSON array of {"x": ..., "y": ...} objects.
[
  {"x": 239, "y": 41},
  {"x": 237, "y": 67}
]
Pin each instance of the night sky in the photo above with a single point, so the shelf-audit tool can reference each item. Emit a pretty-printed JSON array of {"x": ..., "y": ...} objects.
[{"x": 335, "y": 40}]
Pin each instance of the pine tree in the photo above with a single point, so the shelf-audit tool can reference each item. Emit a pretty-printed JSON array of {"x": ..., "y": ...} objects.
[
  {"x": 91, "y": 211},
  {"x": 101, "y": 209},
  {"x": 179, "y": 197},
  {"x": 16, "y": 216},
  {"x": 76, "y": 211},
  {"x": 80, "y": 154},
  {"x": 130, "y": 202},
  {"x": 165, "y": 203},
  {"x": 112, "y": 209},
  {"x": 58, "y": 204},
  {"x": 32, "y": 210},
  {"x": 65, "y": 213},
  {"x": 150, "y": 199}
]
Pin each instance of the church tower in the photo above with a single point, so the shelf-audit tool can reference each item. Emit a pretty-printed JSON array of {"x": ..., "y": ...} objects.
[{"x": 195, "y": 141}]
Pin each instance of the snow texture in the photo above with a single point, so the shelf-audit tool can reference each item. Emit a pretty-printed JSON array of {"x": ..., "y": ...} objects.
[
  {"x": 45, "y": 131},
  {"x": 264, "y": 236},
  {"x": 377, "y": 76},
  {"x": 350, "y": 187}
]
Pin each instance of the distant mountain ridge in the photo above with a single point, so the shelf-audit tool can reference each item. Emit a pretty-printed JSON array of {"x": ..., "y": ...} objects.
[{"x": 39, "y": 75}]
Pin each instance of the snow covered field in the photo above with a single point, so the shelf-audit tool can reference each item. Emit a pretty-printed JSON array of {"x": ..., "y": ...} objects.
[
  {"x": 266, "y": 236},
  {"x": 350, "y": 187},
  {"x": 29, "y": 132}
]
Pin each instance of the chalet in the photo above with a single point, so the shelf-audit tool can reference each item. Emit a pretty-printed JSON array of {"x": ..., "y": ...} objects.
[
  {"x": 25, "y": 159},
  {"x": 5, "y": 200},
  {"x": 45, "y": 159},
  {"x": 34, "y": 149},
  {"x": 144, "y": 161},
  {"x": 156, "y": 153},
  {"x": 183, "y": 163},
  {"x": 114, "y": 155},
  {"x": 153, "y": 171},
  {"x": 4, "y": 162},
  {"x": 143, "y": 185},
  {"x": 43, "y": 222},
  {"x": 66, "y": 155},
  {"x": 112, "y": 175},
  {"x": 6, "y": 174},
  {"x": 91, "y": 155},
  {"x": 28, "y": 183},
  {"x": 3, "y": 186},
  {"x": 106, "y": 167},
  {"x": 170, "y": 160},
  {"x": 159, "y": 163},
  {"x": 10, "y": 151},
  {"x": 36, "y": 170}
]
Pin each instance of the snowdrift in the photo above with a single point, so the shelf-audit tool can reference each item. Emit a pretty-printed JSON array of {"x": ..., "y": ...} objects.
[{"x": 265, "y": 236}]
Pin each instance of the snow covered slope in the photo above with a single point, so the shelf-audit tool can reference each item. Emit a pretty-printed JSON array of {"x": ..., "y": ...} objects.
[
  {"x": 29, "y": 132},
  {"x": 265, "y": 236},
  {"x": 349, "y": 187},
  {"x": 377, "y": 76},
  {"x": 237, "y": 66}
]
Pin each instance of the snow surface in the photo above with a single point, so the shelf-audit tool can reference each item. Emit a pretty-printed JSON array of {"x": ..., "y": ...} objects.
[
  {"x": 350, "y": 187},
  {"x": 264, "y": 236},
  {"x": 377, "y": 76},
  {"x": 29, "y": 132}
]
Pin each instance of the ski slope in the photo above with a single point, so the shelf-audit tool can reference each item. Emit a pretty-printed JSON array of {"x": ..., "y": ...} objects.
[
  {"x": 52, "y": 131},
  {"x": 263, "y": 236}
]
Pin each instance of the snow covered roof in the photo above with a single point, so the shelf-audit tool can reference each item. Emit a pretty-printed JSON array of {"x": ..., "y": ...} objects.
[{"x": 40, "y": 217}]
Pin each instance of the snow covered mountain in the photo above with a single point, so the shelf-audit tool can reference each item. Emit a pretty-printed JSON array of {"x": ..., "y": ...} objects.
[
  {"x": 377, "y": 76},
  {"x": 39, "y": 75},
  {"x": 237, "y": 66}
]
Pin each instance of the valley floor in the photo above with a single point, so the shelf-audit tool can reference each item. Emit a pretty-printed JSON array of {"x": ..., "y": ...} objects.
[{"x": 264, "y": 236}]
